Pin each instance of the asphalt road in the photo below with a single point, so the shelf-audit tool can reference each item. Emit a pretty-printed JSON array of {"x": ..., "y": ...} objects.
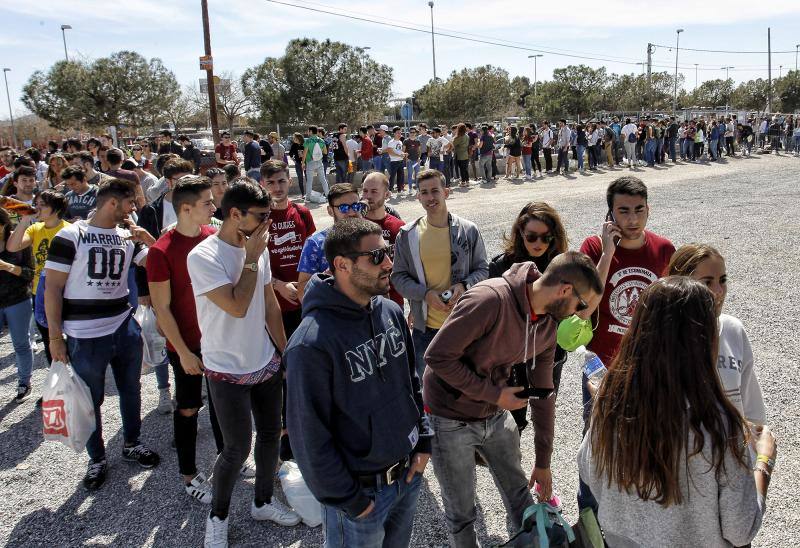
[{"x": 748, "y": 208}]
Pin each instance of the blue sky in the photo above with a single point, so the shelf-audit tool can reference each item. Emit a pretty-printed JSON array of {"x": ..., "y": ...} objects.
[{"x": 244, "y": 32}]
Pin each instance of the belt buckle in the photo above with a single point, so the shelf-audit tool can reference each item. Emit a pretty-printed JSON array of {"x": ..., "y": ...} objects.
[{"x": 387, "y": 475}]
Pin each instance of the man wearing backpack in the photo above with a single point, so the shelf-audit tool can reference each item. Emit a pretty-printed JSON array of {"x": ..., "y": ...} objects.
[
  {"x": 629, "y": 137},
  {"x": 314, "y": 151}
]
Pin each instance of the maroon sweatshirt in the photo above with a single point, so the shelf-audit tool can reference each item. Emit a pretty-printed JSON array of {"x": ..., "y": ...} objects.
[{"x": 470, "y": 358}]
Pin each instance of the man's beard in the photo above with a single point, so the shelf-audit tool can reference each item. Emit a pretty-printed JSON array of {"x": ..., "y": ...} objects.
[
  {"x": 368, "y": 284},
  {"x": 558, "y": 309}
]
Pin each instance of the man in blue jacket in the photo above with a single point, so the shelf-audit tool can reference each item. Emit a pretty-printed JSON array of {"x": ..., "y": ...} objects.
[{"x": 354, "y": 403}]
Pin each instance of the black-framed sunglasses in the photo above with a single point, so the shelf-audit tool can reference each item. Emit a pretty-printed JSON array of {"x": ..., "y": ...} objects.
[
  {"x": 376, "y": 256},
  {"x": 261, "y": 215},
  {"x": 358, "y": 207},
  {"x": 581, "y": 303},
  {"x": 546, "y": 238}
]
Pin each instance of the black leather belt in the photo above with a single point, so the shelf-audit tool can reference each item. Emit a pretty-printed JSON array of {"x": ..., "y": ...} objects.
[{"x": 385, "y": 477}]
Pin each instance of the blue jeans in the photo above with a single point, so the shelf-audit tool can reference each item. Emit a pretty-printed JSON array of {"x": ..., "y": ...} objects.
[
  {"x": 421, "y": 343},
  {"x": 581, "y": 151},
  {"x": 650, "y": 152},
  {"x": 712, "y": 148},
  {"x": 436, "y": 164},
  {"x": 378, "y": 163},
  {"x": 526, "y": 164},
  {"x": 255, "y": 174},
  {"x": 387, "y": 526},
  {"x": 412, "y": 169},
  {"x": 341, "y": 171},
  {"x": 90, "y": 358},
  {"x": 671, "y": 144},
  {"x": 496, "y": 438},
  {"x": 18, "y": 318},
  {"x": 316, "y": 167},
  {"x": 396, "y": 175}
]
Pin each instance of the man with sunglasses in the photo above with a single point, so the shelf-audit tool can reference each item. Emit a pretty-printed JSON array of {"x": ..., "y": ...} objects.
[
  {"x": 225, "y": 152},
  {"x": 342, "y": 203},
  {"x": 497, "y": 323},
  {"x": 241, "y": 341},
  {"x": 359, "y": 429}
]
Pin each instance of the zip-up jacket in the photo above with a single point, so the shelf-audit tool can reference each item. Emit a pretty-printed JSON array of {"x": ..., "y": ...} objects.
[
  {"x": 468, "y": 263},
  {"x": 354, "y": 401},
  {"x": 470, "y": 358}
]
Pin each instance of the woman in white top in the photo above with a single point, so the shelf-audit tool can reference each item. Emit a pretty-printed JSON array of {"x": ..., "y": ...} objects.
[{"x": 735, "y": 359}]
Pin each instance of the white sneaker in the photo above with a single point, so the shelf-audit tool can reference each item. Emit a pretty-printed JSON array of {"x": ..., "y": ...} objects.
[
  {"x": 247, "y": 471},
  {"x": 216, "y": 533},
  {"x": 199, "y": 489},
  {"x": 165, "y": 401},
  {"x": 275, "y": 511}
]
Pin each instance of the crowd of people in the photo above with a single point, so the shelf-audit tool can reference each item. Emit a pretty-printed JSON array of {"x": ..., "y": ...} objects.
[{"x": 304, "y": 332}]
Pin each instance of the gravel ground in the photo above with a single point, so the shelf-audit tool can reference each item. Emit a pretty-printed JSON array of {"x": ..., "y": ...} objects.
[{"x": 742, "y": 206}]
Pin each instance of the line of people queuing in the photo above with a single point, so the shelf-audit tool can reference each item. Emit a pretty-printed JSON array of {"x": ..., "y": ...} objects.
[{"x": 247, "y": 293}]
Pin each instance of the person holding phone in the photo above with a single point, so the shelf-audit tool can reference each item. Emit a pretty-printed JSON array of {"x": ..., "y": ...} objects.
[
  {"x": 465, "y": 385},
  {"x": 629, "y": 258}
]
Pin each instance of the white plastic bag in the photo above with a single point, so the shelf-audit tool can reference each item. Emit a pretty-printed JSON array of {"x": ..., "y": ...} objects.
[
  {"x": 298, "y": 495},
  {"x": 316, "y": 197},
  {"x": 67, "y": 408},
  {"x": 154, "y": 351}
]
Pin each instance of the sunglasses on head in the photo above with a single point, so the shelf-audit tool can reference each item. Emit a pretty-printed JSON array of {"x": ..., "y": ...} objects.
[
  {"x": 546, "y": 238},
  {"x": 376, "y": 256},
  {"x": 358, "y": 207}
]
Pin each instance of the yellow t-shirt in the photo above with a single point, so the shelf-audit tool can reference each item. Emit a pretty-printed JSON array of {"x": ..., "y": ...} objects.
[
  {"x": 41, "y": 236},
  {"x": 434, "y": 251}
]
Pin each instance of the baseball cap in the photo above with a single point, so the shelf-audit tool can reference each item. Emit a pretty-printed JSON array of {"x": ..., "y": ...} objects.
[{"x": 384, "y": 127}]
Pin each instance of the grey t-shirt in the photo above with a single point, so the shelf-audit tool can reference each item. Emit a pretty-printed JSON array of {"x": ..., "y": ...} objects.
[{"x": 79, "y": 205}]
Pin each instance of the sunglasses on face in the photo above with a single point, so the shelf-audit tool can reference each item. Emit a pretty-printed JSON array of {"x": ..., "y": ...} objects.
[
  {"x": 376, "y": 256},
  {"x": 581, "y": 303},
  {"x": 546, "y": 238},
  {"x": 357, "y": 207},
  {"x": 261, "y": 215}
]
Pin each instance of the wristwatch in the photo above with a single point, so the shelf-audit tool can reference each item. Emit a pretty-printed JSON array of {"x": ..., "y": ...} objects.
[{"x": 253, "y": 267}]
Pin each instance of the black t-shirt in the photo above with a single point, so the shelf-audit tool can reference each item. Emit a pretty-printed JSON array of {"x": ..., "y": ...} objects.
[
  {"x": 488, "y": 144},
  {"x": 339, "y": 150},
  {"x": 514, "y": 146}
]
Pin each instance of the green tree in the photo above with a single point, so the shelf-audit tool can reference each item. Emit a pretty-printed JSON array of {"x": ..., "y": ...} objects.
[
  {"x": 714, "y": 93},
  {"x": 751, "y": 95},
  {"x": 787, "y": 90},
  {"x": 471, "y": 94},
  {"x": 322, "y": 82},
  {"x": 575, "y": 90},
  {"x": 122, "y": 89}
]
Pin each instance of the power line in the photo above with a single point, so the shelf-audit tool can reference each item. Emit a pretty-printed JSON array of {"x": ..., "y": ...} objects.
[
  {"x": 507, "y": 44},
  {"x": 726, "y": 51}
]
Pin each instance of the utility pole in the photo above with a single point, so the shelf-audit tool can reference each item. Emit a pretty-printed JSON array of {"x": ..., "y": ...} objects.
[
  {"x": 65, "y": 28},
  {"x": 796, "y": 49},
  {"x": 212, "y": 91},
  {"x": 433, "y": 42},
  {"x": 650, "y": 49},
  {"x": 695, "y": 76},
  {"x": 10, "y": 113},
  {"x": 769, "y": 70},
  {"x": 535, "y": 77},
  {"x": 675, "y": 94}
]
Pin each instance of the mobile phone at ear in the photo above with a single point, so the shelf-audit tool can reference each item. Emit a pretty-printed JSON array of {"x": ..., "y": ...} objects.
[{"x": 610, "y": 217}]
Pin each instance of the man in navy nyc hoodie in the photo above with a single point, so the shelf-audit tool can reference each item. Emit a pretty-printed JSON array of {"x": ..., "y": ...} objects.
[{"x": 359, "y": 432}]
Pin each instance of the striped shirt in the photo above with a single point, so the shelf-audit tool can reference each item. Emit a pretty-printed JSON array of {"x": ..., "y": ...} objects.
[{"x": 97, "y": 262}]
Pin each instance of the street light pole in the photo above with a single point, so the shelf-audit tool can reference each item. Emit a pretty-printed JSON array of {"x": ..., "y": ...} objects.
[
  {"x": 726, "y": 72},
  {"x": 10, "y": 113},
  {"x": 695, "y": 76},
  {"x": 64, "y": 37},
  {"x": 780, "y": 71},
  {"x": 796, "y": 49},
  {"x": 642, "y": 64},
  {"x": 535, "y": 76},
  {"x": 433, "y": 42},
  {"x": 675, "y": 95}
]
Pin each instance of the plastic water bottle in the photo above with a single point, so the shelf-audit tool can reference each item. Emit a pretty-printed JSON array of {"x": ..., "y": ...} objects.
[{"x": 593, "y": 366}]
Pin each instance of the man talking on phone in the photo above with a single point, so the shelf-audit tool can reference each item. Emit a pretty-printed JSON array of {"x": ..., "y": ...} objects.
[{"x": 466, "y": 383}]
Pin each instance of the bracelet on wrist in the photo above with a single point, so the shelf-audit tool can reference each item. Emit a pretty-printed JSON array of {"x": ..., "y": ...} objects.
[
  {"x": 766, "y": 460},
  {"x": 764, "y": 471},
  {"x": 57, "y": 338}
]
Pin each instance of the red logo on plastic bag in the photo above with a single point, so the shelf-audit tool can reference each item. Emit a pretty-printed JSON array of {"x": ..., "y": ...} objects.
[{"x": 54, "y": 418}]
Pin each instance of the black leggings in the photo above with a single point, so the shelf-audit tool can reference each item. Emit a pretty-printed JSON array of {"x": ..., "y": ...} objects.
[
  {"x": 536, "y": 164},
  {"x": 463, "y": 169},
  {"x": 234, "y": 404},
  {"x": 45, "y": 333}
]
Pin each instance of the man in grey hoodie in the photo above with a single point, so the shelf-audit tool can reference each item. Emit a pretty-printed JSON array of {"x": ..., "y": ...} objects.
[
  {"x": 437, "y": 258},
  {"x": 359, "y": 430}
]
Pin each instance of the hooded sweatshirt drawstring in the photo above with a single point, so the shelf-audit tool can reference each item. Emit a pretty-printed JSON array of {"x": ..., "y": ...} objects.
[{"x": 372, "y": 333}]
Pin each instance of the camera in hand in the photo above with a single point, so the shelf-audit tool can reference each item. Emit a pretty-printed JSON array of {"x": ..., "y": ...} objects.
[{"x": 519, "y": 377}]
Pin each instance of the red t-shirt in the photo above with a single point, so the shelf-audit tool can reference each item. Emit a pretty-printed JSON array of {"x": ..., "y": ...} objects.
[
  {"x": 288, "y": 232},
  {"x": 391, "y": 226},
  {"x": 5, "y": 171},
  {"x": 166, "y": 261},
  {"x": 631, "y": 272},
  {"x": 366, "y": 149},
  {"x": 227, "y": 153}
]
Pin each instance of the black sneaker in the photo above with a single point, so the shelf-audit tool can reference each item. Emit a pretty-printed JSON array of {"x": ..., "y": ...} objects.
[
  {"x": 95, "y": 475},
  {"x": 23, "y": 392},
  {"x": 141, "y": 454}
]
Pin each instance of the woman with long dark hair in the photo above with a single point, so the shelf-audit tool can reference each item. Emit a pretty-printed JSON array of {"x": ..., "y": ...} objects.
[
  {"x": 296, "y": 154},
  {"x": 666, "y": 454}
]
